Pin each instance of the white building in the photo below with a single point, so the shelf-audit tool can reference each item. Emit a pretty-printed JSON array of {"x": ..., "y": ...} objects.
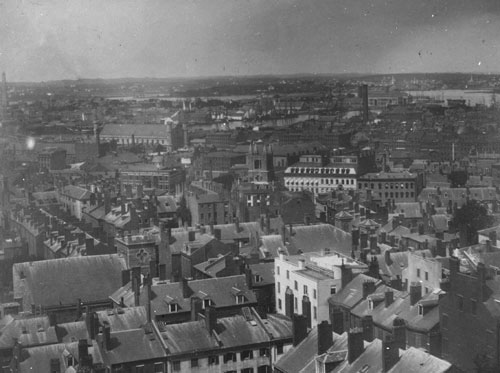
[
  {"x": 313, "y": 275},
  {"x": 313, "y": 174}
]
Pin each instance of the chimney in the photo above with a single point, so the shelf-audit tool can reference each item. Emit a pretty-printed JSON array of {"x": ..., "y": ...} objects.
[
  {"x": 493, "y": 238},
  {"x": 346, "y": 275},
  {"x": 415, "y": 292},
  {"x": 89, "y": 247},
  {"x": 396, "y": 283},
  {"x": 186, "y": 290},
  {"x": 191, "y": 236},
  {"x": 196, "y": 307},
  {"x": 355, "y": 237},
  {"x": 306, "y": 309},
  {"x": 148, "y": 280},
  {"x": 355, "y": 344},
  {"x": 383, "y": 237},
  {"x": 125, "y": 277},
  {"x": 107, "y": 335},
  {"x": 454, "y": 270},
  {"x": 123, "y": 208},
  {"x": 268, "y": 224},
  {"x": 164, "y": 253},
  {"x": 481, "y": 280},
  {"x": 55, "y": 365},
  {"x": 368, "y": 288},
  {"x": 363, "y": 240},
  {"x": 283, "y": 234},
  {"x": 325, "y": 337},
  {"x": 488, "y": 246},
  {"x": 84, "y": 358},
  {"x": 52, "y": 319},
  {"x": 289, "y": 302},
  {"x": 140, "y": 191},
  {"x": 299, "y": 328},
  {"x": 136, "y": 288},
  {"x": 390, "y": 354},
  {"x": 237, "y": 224},
  {"x": 374, "y": 244},
  {"x": 79, "y": 308},
  {"x": 81, "y": 238},
  {"x": 248, "y": 277},
  {"x": 337, "y": 318},
  {"x": 218, "y": 234},
  {"x": 176, "y": 263},
  {"x": 399, "y": 332},
  {"x": 210, "y": 318},
  {"x": 163, "y": 272},
  {"x": 290, "y": 229},
  {"x": 389, "y": 298},
  {"x": 367, "y": 325}
]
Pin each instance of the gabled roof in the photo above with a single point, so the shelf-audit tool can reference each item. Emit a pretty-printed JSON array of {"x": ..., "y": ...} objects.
[
  {"x": 63, "y": 281},
  {"x": 233, "y": 332},
  {"x": 124, "y": 318},
  {"x": 219, "y": 290},
  {"x": 76, "y": 192},
  {"x": 272, "y": 244},
  {"x": 410, "y": 210},
  {"x": 302, "y": 358},
  {"x": 138, "y": 130},
  {"x": 37, "y": 359},
  {"x": 352, "y": 293},
  {"x": 440, "y": 222}
]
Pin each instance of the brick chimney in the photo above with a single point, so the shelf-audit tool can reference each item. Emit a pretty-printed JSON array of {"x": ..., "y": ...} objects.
[
  {"x": 306, "y": 309},
  {"x": 89, "y": 247},
  {"x": 106, "y": 335},
  {"x": 191, "y": 236},
  {"x": 415, "y": 292},
  {"x": 210, "y": 318},
  {"x": 136, "y": 288},
  {"x": 289, "y": 302},
  {"x": 390, "y": 354},
  {"x": 325, "y": 337},
  {"x": 299, "y": 328},
  {"x": 389, "y": 298},
  {"x": 125, "y": 276},
  {"x": 186, "y": 290},
  {"x": 367, "y": 325},
  {"x": 346, "y": 274},
  {"x": 368, "y": 288},
  {"x": 196, "y": 307},
  {"x": 355, "y": 344},
  {"x": 84, "y": 358},
  {"x": 399, "y": 332}
]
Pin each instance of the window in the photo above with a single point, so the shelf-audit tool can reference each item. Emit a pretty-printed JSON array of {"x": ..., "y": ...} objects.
[
  {"x": 159, "y": 368},
  {"x": 247, "y": 370},
  {"x": 207, "y": 302},
  {"x": 426, "y": 276},
  {"x": 258, "y": 278},
  {"x": 173, "y": 307},
  {"x": 314, "y": 293},
  {"x": 213, "y": 360},
  {"x": 305, "y": 289},
  {"x": 278, "y": 270},
  {"x": 246, "y": 355},
  {"x": 230, "y": 356},
  {"x": 264, "y": 351},
  {"x": 240, "y": 299},
  {"x": 473, "y": 303},
  {"x": 279, "y": 304},
  {"x": 279, "y": 348},
  {"x": 296, "y": 303},
  {"x": 333, "y": 290},
  {"x": 176, "y": 366},
  {"x": 315, "y": 313},
  {"x": 140, "y": 368},
  {"x": 296, "y": 285},
  {"x": 418, "y": 272},
  {"x": 194, "y": 363},
  {"x": 279, "y": 287},
  {"x": 287, "y": 274},
  {"x": 460, "y": 302}
]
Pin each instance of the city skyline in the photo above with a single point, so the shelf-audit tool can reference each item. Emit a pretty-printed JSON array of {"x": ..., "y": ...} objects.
[{"x": 174, "y": 39}]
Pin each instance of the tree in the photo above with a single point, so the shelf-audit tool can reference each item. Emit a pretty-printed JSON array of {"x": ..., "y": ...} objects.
[{"x": 469, "y": 219}]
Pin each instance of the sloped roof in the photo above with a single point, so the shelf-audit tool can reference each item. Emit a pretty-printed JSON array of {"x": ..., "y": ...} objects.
[
  {"x": 234, "y": 331},
  {"x": 413, "y": 360},
  {"x": 63, "y": 281},
  {"x": 440, "y": 222},
  {"x": 302, "y": 357},
  {"x": 272, "y": 244},
  {"x": 39, "y": 358},
  {"x": 138, "y": 130},
  {"x": 219, "y": 290},
  {"x": 124, "y": 318},
  {"x": 76, "y": 192},
  {"x": 410, "y": 210},
  {"x": 316, "y": 237},
  {"x": 352, "y": 293}
]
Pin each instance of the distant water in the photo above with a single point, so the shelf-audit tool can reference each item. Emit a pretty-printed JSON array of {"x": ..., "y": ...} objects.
[{"x": 471, "y": 97}]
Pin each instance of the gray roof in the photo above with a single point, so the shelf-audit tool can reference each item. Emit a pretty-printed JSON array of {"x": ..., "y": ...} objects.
[{"x": 63, "y": 281}]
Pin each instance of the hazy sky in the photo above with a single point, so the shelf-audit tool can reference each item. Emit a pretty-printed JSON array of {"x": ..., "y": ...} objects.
[{"x": 68, "y": 39}]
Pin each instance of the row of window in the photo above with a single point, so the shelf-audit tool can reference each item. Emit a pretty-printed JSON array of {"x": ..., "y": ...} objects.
[
  {"x": 387, "y": 185},
  {"x": 319, "y": 182},
  {"x": 320, "y": 170},
  {"x": 230, "y": 357}
]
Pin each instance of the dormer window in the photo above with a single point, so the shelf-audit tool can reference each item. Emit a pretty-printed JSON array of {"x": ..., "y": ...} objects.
[
  {"x": 420, "y": 309},
  {"x": 240, "y": 299},
  {"x": 258, "y": 278},
  {"x": 173, "y": 307},
  {"x": 370, "y": 304},
  {"x": 207, "y": 302}
]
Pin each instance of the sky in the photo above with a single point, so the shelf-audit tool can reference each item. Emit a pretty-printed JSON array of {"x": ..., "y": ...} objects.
[{"x": 43, "y": 40}]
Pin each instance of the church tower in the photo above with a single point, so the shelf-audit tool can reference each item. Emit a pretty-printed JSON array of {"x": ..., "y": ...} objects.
[{"x": 260, "y": 162}]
